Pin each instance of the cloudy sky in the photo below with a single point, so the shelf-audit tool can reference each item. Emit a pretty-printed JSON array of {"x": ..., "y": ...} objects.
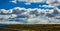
[{"x": 7, "y": 6}]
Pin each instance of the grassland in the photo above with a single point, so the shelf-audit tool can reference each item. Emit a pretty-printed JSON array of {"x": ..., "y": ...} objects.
[{"x": 32, "y": 27}]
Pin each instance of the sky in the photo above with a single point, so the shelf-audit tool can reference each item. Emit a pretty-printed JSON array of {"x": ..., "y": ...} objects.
[{"x": 7, "y": 6}]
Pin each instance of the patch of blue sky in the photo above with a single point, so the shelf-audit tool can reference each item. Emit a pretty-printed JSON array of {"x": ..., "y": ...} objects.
[
  {"x": 22, "y": 21},
  {"x": 19, "y": 20},
  {"x": 5, "y": 4},
  {"x": 3, "y": 24},
  {"x": 58, "y": 6}
]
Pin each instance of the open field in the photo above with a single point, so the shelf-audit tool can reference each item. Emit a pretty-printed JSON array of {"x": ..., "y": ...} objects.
[{"x": 31, "y": 27}]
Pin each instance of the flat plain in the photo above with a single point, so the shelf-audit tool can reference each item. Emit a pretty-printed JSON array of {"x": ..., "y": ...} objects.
[{"x": 31, "y": 27}]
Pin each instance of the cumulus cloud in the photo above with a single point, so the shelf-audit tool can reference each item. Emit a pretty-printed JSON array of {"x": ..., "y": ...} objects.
[
  {"x": 14, "y": 1},
  {"x": 38, "y": 16},
  {"x": 10, "y": 22},
  {"x": 31, "y": 0},
  {"x": 28, "y": 1},
  {"x": 35, "y": 1},
  {"x": 31, "y": 16},
  {"x": 53, "y": 2},
  {"x": 47, "y": 6},
  {"x": 37, "y": 21},
  {"x": 9, "y": 14}
]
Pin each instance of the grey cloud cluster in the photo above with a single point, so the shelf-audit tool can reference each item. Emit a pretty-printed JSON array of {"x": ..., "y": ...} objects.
[
  {"x": 18, "y": 14},
  {"x": 29, "y": 16},
  {"x": 36, "y": 1},
  {"x": 28, "y": 0},
  {"x": 36, "y": 15}
]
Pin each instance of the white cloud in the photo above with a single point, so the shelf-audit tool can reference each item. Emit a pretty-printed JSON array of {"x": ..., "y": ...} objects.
[
  {"x": 8, "y": 16},
  {"x": 13, "y": 15},
  {"x": 4, "y": 11},
  {"x": 32, "y": 18},
  {"x": 10, "y": 11},
  {"x": 5, "y": 16},
  {"x": 37, "y": 21},
  {"x": 14, "y": 1},
  {"x": 49, "y": 1},
  {"x": 10, "y": 22},
  {"x": 31, "y": 0},
  {"x": 27, "y": 3},
  {"x": 46, "y": 6},
  {"x": 19, "y": 8},
  {"x": 52, "y": 2}
]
